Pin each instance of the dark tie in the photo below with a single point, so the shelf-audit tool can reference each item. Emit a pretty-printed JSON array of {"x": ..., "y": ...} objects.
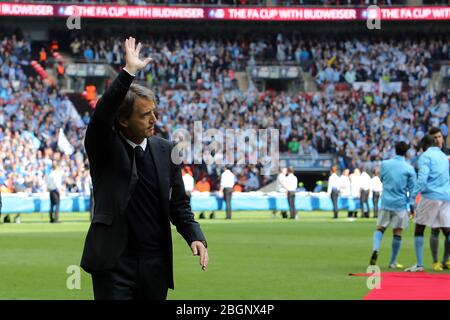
[{"x": 138, "y": 154}]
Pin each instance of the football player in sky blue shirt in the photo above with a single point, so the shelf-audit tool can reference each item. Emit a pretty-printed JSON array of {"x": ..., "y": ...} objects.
[
  {"x": 434, "y": 185},
  {"x": 399, "y": 179},
  {"x": 438, "y": 137}
]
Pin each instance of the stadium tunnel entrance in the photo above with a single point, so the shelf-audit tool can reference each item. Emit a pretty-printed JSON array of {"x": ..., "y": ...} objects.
[
  {"x": 278, "y": 85},
  {"x": 310, "y": 179}
]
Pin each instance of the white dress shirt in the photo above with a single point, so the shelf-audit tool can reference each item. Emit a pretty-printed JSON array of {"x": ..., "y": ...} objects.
[
  {"x": 344, "y": 188},
  {"x": 291, "y": 182},
  {"x": 131, "y": 74},
  {"x": 188, "y": 181},
  {"x": 355, "y": 185},
  {"x": 376, "y": 185},
  {"x": 281, "y": 183},
  {"x": 333, "y": 183},
  {"x": 227, "y": 179},
  {"x": 365, "y": 181},
  {"x": 143, "y": 144},
  {"x": 54, "y": 180}
]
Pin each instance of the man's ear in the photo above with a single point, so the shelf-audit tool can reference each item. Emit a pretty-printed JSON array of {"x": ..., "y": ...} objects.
[{"x": 123, "y": 122}]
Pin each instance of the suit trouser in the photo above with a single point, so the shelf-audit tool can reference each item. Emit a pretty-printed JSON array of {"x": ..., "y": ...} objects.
[
  {"x": 291, "y": 201},
  {"x": 364, "y": 200},
  {"x": 54, "y": 203},
  {"x": 91, "y": 209},
  {"x": 376, "y": 198},
  {"x": 227, "y": 192},
  {"x": 133, "y": 278},
  {"x": 334, "y": 199}
]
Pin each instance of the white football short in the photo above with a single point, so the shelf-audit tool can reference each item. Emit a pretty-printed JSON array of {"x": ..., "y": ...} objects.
[
  {"x": 433, "y": 213},
  {"x": 395, "y": 219}
]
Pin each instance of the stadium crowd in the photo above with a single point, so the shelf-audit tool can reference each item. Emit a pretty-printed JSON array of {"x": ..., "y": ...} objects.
[
  {"x": 326, "y": 122},
  {"x": 31, "y": 113},
  {"x": 180, "y": 62},
  {"x": 183, "y": 60},
  {"x": 194, "y": 80},
  {"x": 408, "y": 61}
]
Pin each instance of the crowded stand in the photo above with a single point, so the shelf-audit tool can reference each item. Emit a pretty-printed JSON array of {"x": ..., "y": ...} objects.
[
  {"x": 306, "y": 123},
  {"x": 32, "y": 112},
  {"x": 194, "y": 79}
]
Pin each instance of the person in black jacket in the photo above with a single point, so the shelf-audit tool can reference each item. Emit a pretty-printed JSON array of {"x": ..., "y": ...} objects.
[{"x": 138, "y": 191}]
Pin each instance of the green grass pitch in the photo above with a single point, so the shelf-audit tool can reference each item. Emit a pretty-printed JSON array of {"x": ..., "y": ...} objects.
[{"x": 252, "y": 256}]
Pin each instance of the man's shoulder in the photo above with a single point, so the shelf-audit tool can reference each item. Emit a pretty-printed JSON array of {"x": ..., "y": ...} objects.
[
  {"x": 393, "y": 165},
  {"x": 410, "y": 168},
  {"x": 163, "y": 142},
  {"x": 443, "y": 153},
  {"x": 403, "y": 165},
  {"x": 430, "y": 153}
]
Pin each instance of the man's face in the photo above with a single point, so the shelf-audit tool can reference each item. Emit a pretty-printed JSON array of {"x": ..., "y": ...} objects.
[
  {"x": 438, "y": 139},
  {"x": 141, "y": 123}
]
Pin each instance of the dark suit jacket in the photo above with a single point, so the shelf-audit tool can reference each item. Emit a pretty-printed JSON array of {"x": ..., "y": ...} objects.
[{"x": 114, "y": 177}]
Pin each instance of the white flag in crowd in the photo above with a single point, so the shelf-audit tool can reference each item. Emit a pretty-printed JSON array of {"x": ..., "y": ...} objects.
[{"x": 64, "y": 144}]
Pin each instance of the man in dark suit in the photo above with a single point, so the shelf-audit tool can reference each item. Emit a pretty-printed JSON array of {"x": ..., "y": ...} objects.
[{"x": 138, "y": 191}]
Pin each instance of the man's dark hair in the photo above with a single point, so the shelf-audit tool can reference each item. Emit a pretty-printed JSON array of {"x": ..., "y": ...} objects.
[
  {"x": 426, "y": 142},
  {"x": 135, "y": 91},
  {"x": 434, "y": 130},
  {"x": 401, "y": 148}
]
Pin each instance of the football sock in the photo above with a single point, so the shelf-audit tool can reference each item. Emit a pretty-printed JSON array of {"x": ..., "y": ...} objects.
[
  {"x": 447, "y": 249},
  {"x": 396, "y": 243},
  {"x": 418, "y": 247},
  {"x": 434, "y": 244},
  {"x": 377, "y": 236}
]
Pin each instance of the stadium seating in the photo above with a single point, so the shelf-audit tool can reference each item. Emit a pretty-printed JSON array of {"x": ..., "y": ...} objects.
[
  {"x": 31, "y": 113},
  {"x": 195, "y": 79}
]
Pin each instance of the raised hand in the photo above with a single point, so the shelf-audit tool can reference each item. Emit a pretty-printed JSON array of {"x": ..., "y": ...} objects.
[{"x": 132, "y": 60}]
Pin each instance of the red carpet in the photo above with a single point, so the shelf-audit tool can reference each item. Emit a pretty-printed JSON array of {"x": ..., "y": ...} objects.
[{"x": 410, "y": 286}]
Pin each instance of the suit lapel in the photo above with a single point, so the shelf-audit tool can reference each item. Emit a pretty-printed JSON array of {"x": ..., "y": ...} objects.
[
  {"x": 130, "y": 162},
  {"x": 159, "y": 154}
]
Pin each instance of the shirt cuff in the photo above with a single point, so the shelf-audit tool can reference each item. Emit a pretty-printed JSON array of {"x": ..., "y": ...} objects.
[{"x": 131, "y": 74}]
